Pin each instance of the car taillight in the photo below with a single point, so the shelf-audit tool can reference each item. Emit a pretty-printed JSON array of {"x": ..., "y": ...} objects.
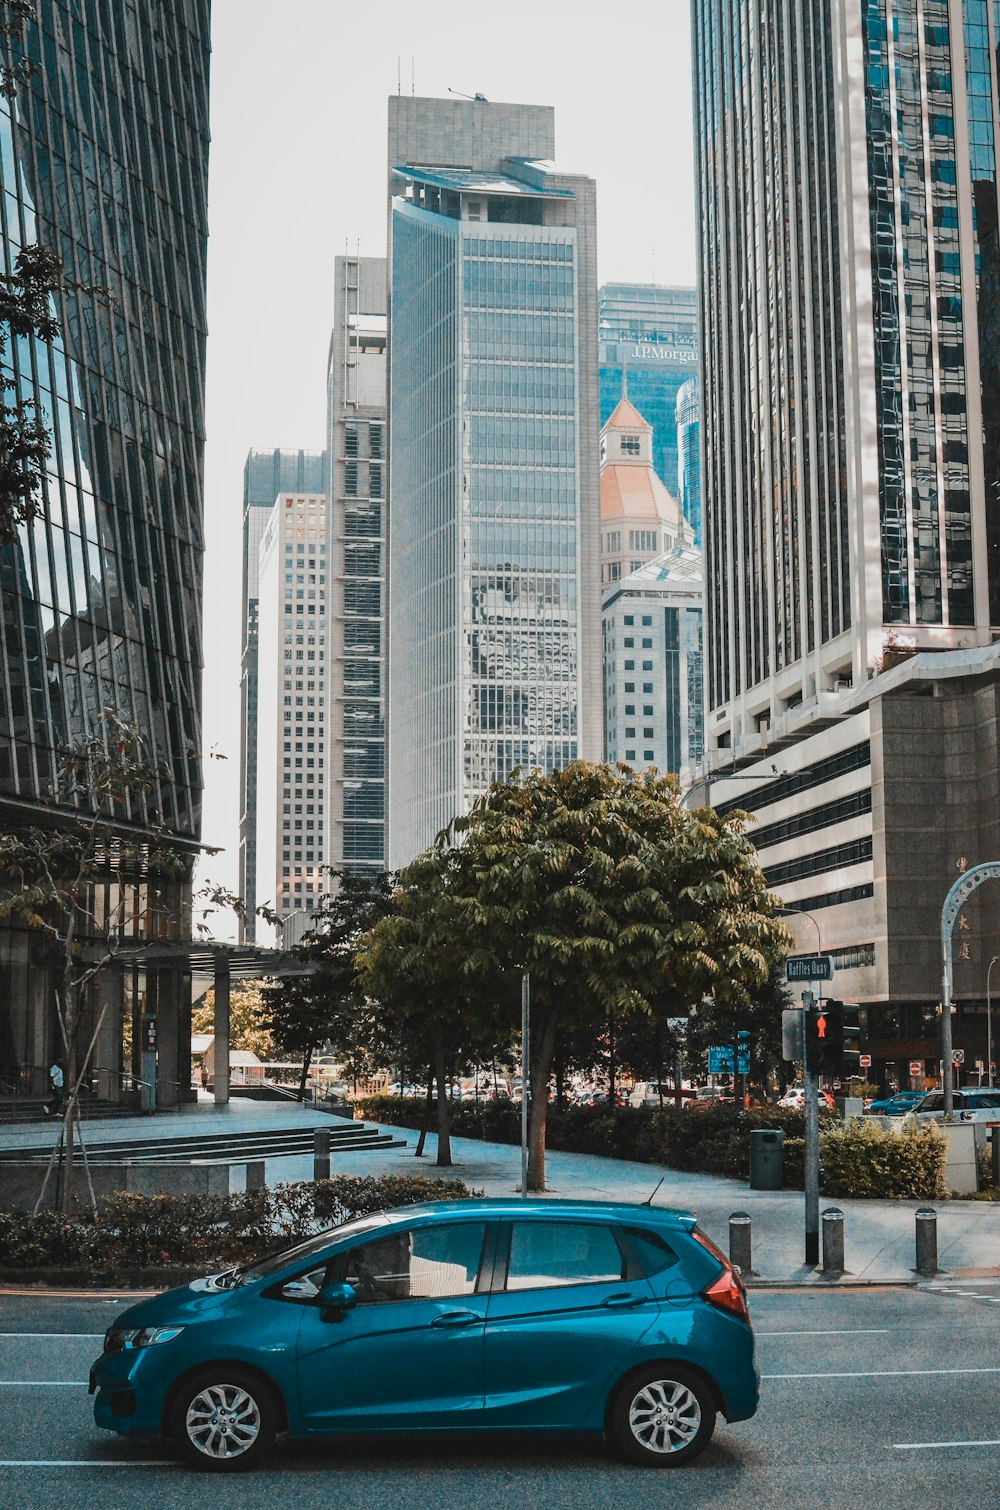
[{"x": 728, "y": 1292}]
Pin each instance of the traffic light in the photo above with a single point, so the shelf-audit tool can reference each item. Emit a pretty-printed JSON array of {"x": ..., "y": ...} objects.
[
  {"x": 850, "y": 1040},
  {"x": 818, "y": 1022}
]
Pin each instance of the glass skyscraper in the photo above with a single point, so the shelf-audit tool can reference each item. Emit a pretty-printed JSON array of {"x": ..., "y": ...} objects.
[
  {"x": 103, "y": 159},
  {"x": 494, "y": 661},
  {"x": 649, "y": 343},
  {"x": 358, "y": 490},
  {"x": 689, "y": 454},
  {"x": 849, "y": 292}
]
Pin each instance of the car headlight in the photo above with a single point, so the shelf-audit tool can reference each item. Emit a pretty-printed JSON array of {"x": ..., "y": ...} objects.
[{"x": 126, "y": 1339}]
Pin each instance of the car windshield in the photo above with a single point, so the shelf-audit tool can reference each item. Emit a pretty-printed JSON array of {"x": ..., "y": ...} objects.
[{"x": 303, "y": 1252}]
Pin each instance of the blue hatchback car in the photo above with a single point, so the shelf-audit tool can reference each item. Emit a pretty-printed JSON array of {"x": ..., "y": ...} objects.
[{"x": 477, "y": 1314}]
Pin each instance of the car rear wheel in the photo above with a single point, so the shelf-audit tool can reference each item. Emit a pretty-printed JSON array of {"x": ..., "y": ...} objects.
[
  {"x": 663, "y": 1416},
  {"x": 223, "y": 1419}
]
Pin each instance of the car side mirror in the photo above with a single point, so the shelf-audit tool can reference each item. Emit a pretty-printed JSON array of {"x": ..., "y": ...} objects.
[{"x": 336, "y": 1299}]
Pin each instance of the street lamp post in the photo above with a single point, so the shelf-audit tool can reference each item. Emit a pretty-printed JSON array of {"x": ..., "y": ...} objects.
[{"x": 989, "y": 1022}]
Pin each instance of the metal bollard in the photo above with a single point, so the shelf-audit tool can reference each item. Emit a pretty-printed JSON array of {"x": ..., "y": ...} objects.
[
  {"x": 321, "y": 1154},
  {"x": 833, "y": 1241},
  {"x": 926, "y": 1225},
  {"x": 255, "y": 1174},
  {"x": 995, "y": 1146},
  {"x": 740, "y": 1241}
]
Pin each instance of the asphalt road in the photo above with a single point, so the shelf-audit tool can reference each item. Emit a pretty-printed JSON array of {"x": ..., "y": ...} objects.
[{"x": 871, "y": 1398}]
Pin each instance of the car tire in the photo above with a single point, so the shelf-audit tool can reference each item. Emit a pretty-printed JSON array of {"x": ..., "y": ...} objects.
[
  {"x": 223, "y": 1419},
  {"x": 662, "y": 1416}
]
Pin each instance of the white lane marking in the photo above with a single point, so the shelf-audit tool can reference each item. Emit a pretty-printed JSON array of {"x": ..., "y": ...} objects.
[
  {"x": 43, "y": 1383},
  {"x": 61, "y": 1336},
  {"x": 885, "y": 1373},
  {"x": 860, "y": 1331},
  {"x": 922, "y": 1446},
  {"x": 86, "y": 1463}
]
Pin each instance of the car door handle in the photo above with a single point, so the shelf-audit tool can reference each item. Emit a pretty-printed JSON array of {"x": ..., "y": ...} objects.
[
  {"x": 620, "y": 1302},
  {"x": 457, "y": 1318}
]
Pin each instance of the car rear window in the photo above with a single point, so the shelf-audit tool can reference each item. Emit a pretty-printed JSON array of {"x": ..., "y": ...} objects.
[{"x": 652, "y": 1251}]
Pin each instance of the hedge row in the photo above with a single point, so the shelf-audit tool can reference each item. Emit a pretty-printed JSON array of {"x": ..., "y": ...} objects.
[
  {"x": 713, "y": 1141},
  {"x": 133, "y": 1232},
  {"x": 860, "y": 1159}
]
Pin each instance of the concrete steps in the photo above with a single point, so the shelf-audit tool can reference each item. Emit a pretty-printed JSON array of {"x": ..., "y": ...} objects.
[{"x": 225, "y": 1148}]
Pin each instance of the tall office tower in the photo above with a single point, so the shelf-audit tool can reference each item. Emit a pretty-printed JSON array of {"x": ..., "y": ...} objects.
[
  {"x": 265, "y": 475},
  {"x": 494, "y": 573},
  {"x": 292, "y": 710},
  {"x": 850, "y": 267},
  {"x": 639, "y": 518},
  {"x": 689, "y": 454},
  {"x": 648, "y": 336},
  {"x": 104, "y": 161},
  {"x": 356, "y": 438},
  {"x": 653, "y": 664}
]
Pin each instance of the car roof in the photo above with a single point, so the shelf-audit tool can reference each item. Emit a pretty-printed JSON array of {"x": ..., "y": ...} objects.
[{"x": 507, "y": 1207}]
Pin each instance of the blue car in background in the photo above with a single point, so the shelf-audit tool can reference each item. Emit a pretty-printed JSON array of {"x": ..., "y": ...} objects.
[
  {"x": 896, "y": 1105},
  {"x": 477, "y": 1314}
]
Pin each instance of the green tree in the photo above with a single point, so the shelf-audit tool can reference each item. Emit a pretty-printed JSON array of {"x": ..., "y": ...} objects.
[
  {"x": 717, "y": 1022},
  {"x": 326, "y": 1003},
  {"x": 612, "y": 897},
  {"x": 249, "y": 1015},
  {"x": 432, "y": 1008}
]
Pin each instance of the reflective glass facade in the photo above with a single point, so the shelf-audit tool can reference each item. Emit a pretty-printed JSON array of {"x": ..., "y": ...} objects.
[
  {"x": 689, "y": 454},
  {"x": 103, "y": 159},
  {"x": 485, "y": 532},
  {"x": 648, "y": 337}
]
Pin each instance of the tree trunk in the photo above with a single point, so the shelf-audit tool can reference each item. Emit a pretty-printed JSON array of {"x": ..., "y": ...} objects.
[
  {"x": 426, "y": 1121},
  {"x": 611, "y": 1062},
  {"x": 443, "y": 1107},
  {"x": 306, "y": 1062},
  {"x": 71, "y": 1008},
  {"x": 542, "y": 1051}
]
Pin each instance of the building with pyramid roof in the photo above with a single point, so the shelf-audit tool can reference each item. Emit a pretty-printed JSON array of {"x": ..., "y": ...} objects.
[{"x": 640, "y": 517}]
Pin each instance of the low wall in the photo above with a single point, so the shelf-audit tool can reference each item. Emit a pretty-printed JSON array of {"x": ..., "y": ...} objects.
[{"x": 20, "y": 1183}]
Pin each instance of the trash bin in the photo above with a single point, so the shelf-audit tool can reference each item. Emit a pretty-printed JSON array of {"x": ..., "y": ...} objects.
[{"x": 767, "y": 1159}]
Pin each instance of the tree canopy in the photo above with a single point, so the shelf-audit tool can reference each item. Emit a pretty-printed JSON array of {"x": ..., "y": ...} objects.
[{"x": 615, "y": 899}]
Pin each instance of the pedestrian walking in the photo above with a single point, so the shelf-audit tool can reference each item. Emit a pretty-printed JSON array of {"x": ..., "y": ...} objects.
[{"x": 57, "y": 1082}]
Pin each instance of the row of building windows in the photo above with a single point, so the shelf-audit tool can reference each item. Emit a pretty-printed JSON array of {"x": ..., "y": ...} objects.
[
  {"x": 855, "y": 806},
  {"x": 856, "y": 852},
  {"x": 856, "y": 758}
]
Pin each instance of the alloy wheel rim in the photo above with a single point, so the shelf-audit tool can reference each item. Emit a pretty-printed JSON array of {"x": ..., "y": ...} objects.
[
  {"x": 223, "y": 1421},
  {"x": 665, "y": 1416}
]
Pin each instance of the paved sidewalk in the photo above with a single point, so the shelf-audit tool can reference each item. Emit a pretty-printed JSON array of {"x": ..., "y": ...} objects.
[{"x": 879, "y": 1244}]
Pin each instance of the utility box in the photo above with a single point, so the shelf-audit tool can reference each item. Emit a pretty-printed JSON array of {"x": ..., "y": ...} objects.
[{"x": 767, "y": 1159}]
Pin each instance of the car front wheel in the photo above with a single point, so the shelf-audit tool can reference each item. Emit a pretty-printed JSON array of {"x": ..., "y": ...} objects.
[
  {"x": 223, "y": 1419},
  {"x": 662, "y": 1417}
]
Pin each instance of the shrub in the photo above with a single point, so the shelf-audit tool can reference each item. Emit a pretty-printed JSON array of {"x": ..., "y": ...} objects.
[
  {"x": 132, "y": 1232},
  {"x": 863, "y": 1159}
]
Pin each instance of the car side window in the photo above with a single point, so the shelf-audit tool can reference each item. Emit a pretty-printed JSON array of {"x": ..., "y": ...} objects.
[
  {"x": 417, "y": 1263},
  {"x": 546, "y": 1254}
]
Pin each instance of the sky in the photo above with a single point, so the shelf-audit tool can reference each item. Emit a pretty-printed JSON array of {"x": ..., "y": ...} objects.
[{"x": 297, "y": 176}]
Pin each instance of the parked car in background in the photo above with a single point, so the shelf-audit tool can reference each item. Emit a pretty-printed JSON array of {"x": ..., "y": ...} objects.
[
  {"x": 896, "y": 1105},
  {"x": 795, "y": 1096},
  {"x": 649, "y": 1093},
  {"x": 969, "y": 1106},
  {"x": 618, "y": 1320}
]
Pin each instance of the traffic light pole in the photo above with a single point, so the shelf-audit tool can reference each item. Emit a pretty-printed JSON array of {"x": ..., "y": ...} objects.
[{"x": 810, "y": 1085}]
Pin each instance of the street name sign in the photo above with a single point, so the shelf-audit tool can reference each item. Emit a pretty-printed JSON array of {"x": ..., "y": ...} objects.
[{"x": 809, "y": 967}]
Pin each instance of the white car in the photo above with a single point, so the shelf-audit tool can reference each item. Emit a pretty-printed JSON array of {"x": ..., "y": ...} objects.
[
  {"x": 969, "y": 1106},
  {"x": 796, "y": 1096}
]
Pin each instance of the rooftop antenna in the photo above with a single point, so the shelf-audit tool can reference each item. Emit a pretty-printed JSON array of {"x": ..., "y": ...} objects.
[
  {"x": 399, "y": 74},
  {"x": 649, "y": 1202},
  {"x": 413, "y": 77},
  {"x": 480, "y": 97}
]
